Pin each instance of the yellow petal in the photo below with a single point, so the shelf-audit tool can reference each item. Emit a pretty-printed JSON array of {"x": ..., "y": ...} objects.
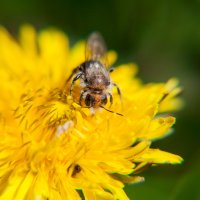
[
  {"x": 53, "y": 47},
  {"x": 159, "y": 128},
  {"x": 112, "y": 57},
  {"x": 171, "y": 102},
  {"x": 77, "y": 55},
  {"x": 24, "y": 187},
  {"x": 157, "y": 156},
  {"x": 10, "y": 189},
  {"x": 129, "y": 179},
  {"x": 28, "y": 40},
  {"x": 40, "y": 187},
  {"x": 97, "y": 195}
]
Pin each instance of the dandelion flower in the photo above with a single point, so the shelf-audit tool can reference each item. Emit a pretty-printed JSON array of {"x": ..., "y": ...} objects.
[{"x": 52, "y": 148}]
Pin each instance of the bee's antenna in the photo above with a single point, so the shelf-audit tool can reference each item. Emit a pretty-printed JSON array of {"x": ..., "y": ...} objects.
[{"x": 111, "y": 111}]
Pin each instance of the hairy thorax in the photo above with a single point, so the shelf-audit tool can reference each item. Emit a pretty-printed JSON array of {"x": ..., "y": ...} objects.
[{"x": 96, "y": 75}]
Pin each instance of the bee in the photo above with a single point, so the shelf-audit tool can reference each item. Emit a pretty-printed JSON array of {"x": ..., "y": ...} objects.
[{"x": 96, "y": 84}]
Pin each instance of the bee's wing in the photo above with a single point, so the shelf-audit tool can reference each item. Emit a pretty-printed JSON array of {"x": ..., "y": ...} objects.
[{"x": 96, "y": 48}]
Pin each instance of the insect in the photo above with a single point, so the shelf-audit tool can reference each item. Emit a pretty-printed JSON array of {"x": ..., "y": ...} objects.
[{"x": 95, "y": 81}]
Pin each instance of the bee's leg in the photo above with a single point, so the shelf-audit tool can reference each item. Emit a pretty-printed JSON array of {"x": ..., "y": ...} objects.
[
  {"x": 118, "y": 90},
  {"x": 111, "y": 99},
  {"x": 81, "y": 97},
  {"x": 73, "y": 81},
  {"x": 75, "y": 71}
]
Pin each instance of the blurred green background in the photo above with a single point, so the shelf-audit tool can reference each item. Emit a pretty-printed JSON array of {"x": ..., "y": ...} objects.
[{"x": 163, "y": 38}]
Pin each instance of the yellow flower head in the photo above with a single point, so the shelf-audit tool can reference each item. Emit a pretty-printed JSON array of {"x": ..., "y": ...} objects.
[{"x": 51, "y": 147}]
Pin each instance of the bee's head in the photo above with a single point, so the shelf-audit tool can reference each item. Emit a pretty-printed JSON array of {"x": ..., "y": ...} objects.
[{"x": 95, "y": 100}]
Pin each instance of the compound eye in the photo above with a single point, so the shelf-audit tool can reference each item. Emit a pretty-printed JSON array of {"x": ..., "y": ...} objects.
[
  {"x": 103, "y": 99},
  {"x": 89, "y": 100}
]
